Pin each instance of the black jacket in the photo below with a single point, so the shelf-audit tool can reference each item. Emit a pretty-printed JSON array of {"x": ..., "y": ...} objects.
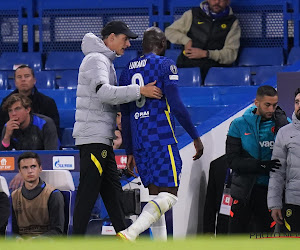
[
  {"x": 217, "y": 173},
  {"x": 41, "y": 104}
]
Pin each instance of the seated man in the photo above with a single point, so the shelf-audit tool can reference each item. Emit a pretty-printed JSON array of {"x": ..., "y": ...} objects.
[
  {"x": 24, "y": 130},
  {"x": 41, "y": 104},
  {"x": 210, "y": 35},
  {"x": 38, "y": 208}
]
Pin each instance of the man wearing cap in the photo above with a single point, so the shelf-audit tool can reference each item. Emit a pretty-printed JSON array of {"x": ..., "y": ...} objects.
[{"x": 96, "y": 110}]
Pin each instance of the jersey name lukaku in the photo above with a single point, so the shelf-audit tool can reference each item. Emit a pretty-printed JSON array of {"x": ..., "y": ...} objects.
[{"x": 151, "y": 121}]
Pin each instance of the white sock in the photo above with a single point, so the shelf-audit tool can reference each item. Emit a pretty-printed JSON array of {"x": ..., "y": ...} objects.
[
  {"x": 151, "y": 213},
  {"x": 158, "y": 228}
]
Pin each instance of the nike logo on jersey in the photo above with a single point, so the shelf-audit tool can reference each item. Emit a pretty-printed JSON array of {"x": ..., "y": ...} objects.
[
  {"x": 200, "y": 22},
  {"x": 247, "y": 133}
]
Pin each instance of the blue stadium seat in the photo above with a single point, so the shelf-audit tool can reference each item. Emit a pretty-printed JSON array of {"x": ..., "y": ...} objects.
[
  {"x": 62, "y": 180},
  {"x": 173, "y": 54},
  {"x": 261, "y": 57},
  {"x": 11, "y": 60},
  {"x": 263, "y": 73},
  {"x": 4, "y": 81},
  {"x": 121, "y": 62},
  {"x": 68, "y": 80},
  {"x": 63, "y": 60},
  {"x": 67, "y": 140},
  {"x": 189, "y": 77},
  {"x": 294, "y": 55},
  {"x": 218, "y": 76},
  {"x": 45, "y": 80}
]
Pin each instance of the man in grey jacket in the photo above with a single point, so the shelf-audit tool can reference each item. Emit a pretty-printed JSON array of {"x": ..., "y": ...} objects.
[
  {"x": 96, "y": 110},
  {"x": 286, "y": 179}
]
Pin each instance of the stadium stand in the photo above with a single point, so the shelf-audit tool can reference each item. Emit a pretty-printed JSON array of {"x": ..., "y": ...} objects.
[
  {"x": 261, "y": 57},
  {"x": 173, "y": 54},
  {"x": 264, "y": 73},
  {"x": 45, "y": 80},
  {"x": 293, "y": 56},
  {"x": 66, "y": 60},
  {"x": 189, "y": 77},
  {"x": 62, "y": 180},
  {"x": 67, "y": 79},
  {"x": 3, "y": 81},
  {"x": 219, "y": 76}
]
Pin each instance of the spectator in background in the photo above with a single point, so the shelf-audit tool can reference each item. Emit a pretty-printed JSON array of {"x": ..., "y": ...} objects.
[
  {"x": 41, "y": 104},
  {"x": 38, "y": 208},
  {"x": 24, "y": 130},
  {"x": 249, "y": 147},
  {"x": 285, "y": 181},
  {"x": 210, "y": 35},
  {"x": 95, "y": 117},
  {"x": 148, "y": 134},
  {"x": 4, "y": 212},
  {"x": 118, "y": 133}
]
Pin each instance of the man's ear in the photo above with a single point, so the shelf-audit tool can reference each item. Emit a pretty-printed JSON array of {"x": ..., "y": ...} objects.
[{"x": 256, "y": 102}]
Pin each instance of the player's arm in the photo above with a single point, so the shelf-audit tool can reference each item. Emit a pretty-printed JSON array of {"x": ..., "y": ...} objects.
[{"x": 178, "y": 108}]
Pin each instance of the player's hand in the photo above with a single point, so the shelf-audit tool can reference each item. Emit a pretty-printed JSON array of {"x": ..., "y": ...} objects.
[
  {"x": 277, "y": 216},
  {"x": 131, "y": 166},
  {"x": 151, "y": 91},
  {"x": 11, "y": 125},
  {"x": 199, "y": 148},
  {"x": 16, "y": 182},
  {"x": 195, "y": 53}
]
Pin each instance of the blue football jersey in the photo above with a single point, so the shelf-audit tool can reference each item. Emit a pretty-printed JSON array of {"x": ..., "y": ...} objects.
[{"x": 150, "y": 120}]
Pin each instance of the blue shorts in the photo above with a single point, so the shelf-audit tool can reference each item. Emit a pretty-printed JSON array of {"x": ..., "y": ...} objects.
[{"x": 159, "y": 165}]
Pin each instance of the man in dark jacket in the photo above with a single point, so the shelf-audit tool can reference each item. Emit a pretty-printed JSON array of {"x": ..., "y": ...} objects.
[
  {"x": 41, "y": 104},
  {"x": 24, "y": 130},
  {"x": 210, "y": 35},
  {"x": 249, "y": 147}
]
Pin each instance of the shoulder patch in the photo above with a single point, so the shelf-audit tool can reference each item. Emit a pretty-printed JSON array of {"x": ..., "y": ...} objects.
[{"x": 173, "y": 69}]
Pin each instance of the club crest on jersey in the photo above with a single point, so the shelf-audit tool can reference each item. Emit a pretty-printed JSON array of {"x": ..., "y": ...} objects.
[
  {"x": 173, "y": 69},
  {"x": 142, "y": 114}
]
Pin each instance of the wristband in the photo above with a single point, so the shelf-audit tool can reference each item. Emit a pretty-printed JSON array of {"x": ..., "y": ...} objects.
[
  {"x": 6, "y": 145},
  {"x": 207, "y": 53}
]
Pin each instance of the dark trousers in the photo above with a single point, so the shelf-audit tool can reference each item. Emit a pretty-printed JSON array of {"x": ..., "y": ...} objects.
[
  {"x": 253, "y": 216},
  {"x": 4, "y": 212},
  {"x": 291, "y": 215},
  {"x": 92, "y": 182}
]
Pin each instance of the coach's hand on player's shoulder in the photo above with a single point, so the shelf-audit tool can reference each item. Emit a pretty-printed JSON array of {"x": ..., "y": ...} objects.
[
  {"x": 199, "y": 148},
  {"x": 151, "y": 91},
  {"x": 131, "y": 166}
]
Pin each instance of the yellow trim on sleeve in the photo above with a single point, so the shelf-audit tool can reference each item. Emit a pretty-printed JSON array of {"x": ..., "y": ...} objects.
[
  {"x": 173, "y": 165},
  {"x": 97, "y": 164},
  {"x": 167, "y": 112},
  {"x": 287, "y": 225}
]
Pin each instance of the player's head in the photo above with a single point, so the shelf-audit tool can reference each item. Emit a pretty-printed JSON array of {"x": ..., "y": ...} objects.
[
  {"x": 30, "y": 167},
  {"x": 218, "y": 6},
  {"x": 116, "y": 35},
  {"x": 155, "y": 41},
  {"x": 266, "y": 101}
]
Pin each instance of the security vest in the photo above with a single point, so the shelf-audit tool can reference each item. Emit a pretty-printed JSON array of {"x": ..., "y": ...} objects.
[{"x": 32, "y": 215}]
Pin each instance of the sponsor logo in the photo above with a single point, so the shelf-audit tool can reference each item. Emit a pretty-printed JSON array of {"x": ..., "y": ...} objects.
[
  {"x": 173, "y": 77},
  {"x": 104, "y": 154},
  {"x": 247, "y": 133},
  {"x": 121, "y": 161},
  {"x": 273, "y": 129},
  {"x": 173, "y": 69},
  {"x": 200, "y": 22},
  {"x": 266, "y": 144},
  {"x": 63, "y": 162},
  {"x": 142, "y": 114},
  {"x": 7, "y": 164},
  {"x": 138, "y": 64}
]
